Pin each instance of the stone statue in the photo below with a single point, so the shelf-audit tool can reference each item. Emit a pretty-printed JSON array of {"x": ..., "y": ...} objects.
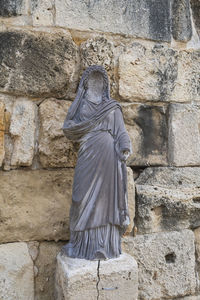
[{"x": 99, "y": 212}]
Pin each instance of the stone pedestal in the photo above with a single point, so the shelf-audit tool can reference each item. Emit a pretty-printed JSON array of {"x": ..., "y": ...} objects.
[{"x": 113, "y": 279}]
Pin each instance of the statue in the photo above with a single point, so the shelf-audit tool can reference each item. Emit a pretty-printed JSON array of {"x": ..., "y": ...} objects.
[{"x": 99, "y": 212}]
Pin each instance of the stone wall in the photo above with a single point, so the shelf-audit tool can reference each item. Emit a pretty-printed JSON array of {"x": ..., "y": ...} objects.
[{"x": 151, "y": 51}]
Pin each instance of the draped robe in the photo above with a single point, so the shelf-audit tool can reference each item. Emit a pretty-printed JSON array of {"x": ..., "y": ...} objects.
[{"x": 99, "y": 209}]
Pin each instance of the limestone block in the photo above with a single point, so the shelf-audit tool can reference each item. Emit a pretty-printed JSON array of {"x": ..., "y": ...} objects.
[
  {"x": 147, "y": 128},
  {"x": 184, "y": 135},
  {"x": 46, "y": 265},
  {"x": 181, "y": 20},
  {"x": 159, "y": 73},
  {"x": 35, "y": 205},
  {"x": 55, "y": 150},
  {"x": 37, "y": 63},
  {"x": 2, "y": 129},
  {"x": 195, "y": 6},
  {"x": 22, "y": 129},
  {"x": 16, "y": 276},
  {"x": 166, "y": 264},
  {"x": 147, "y": 19},
  {"x": 114, "y": 279},
  {"x": 168, "y": 199},
  {"x": 131, "y": 198},
  {"x": 99, "y": 51},
  {"x": 42, "y": 12},
  {"x": 197, "y": 246},
  {"x": 12, "y": 8}
]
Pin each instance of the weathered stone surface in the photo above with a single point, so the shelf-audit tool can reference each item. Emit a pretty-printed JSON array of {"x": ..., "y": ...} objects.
[
  {"x": 55, "y": 150},
  {"x": 181, "y": 20},
  {"x": 195, "y": 5},
  {"x": 78, "y": 279},
  {"x": 16, "y": 276},
  {"x": 22, "y": 129},
  {"x": 147, "y": 128},
  {"x": 37, "y": 64},
  {"x": 46, "y": 265},
  {"x": 166, "y": 263},
  {"x": 189, "y": 298},
  {"x": 159, "y": 73},
  {"x": 197, "y": 246},
  {"x": 35, "y": 205},
  {"x": 2, "y": 129},
  {"x": 42, "y": 12},
  {"x": 147, "y": 74},
  {"x": 11, "y": 8},
  {"x": 184, "y": 135},
  {"x": 99, "y": 51},
  {"x": 147, "y": 19},
  {"x": 168, "y": 199},
  {"x": 131, "y": 199}
]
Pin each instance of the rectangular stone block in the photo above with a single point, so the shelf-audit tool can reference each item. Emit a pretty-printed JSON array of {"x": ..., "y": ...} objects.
[
  {"x": 35, "y": 205},
  {"x": 147, "y": 128},
  {"x": 184, "y": 135},
  {"x": 12, "y": 8},
  {"x": 166, "y": 264},
  {"x": 159, "y": 73},
  {"x": 16, "y": 276},
  {"x": 146, "y": 18},
  {"x": 168, "y": 199},
  {"x": 22, "y": 130},
  {"x": 114, "y": 279},
  {"x": 55, "y": 150},
  {"x": 42, "y": 12}
]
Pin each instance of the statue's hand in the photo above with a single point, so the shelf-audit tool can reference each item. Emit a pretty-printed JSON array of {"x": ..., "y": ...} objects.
[{"x": 124, "y": 155}]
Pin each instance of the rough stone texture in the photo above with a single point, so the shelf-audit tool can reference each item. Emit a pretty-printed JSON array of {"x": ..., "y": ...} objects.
[
  {"x": 147, "y": 19},
  {"x": 55, "y": 150},
  {"x": 99, "y": 51},
  {"x": 16, "y": 276},
  {"x": 78, "y": 278},
  {"x": 131, "y": 198},
  {"x": 147, "y": 128},
  {"x": 184, "y": 135},
  {"x": 159, "y": 73},
  {"x": 147, "y": 74},
  {"x": 42, "y": 12},
  {"x": 2, "y": 129},
  {"x": 11, "y": 8},
  {"x": 189, "y": 298},
  {"x": 181, "y": 20},
  {"x": 37, "y": 64},
  {"x": 166, "y": 263},
  {"x": 195, "y": 5},
  {"x": 35, "y": 205},
  {"x": 168, "y": 199},
  {"x": 197, "y": 245},
  {"x": 22, "y": 129},
  {"x": 46, "y": 265}
]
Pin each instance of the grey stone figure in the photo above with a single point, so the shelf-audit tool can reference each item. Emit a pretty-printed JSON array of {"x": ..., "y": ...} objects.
[{"x": 99, "y": 212}]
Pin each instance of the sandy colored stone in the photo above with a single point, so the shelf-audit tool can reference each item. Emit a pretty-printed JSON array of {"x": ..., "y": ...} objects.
[
  {"x": 184, "y": 135},
  {"x": 131, "y": 199},
  {"x": 2, "y": 129},
  {"x": 55, "y": 150},
  {"x": 77, "y": 279},
  {"x": 22, "y": 129},
  {"x": 38, "y": 64},
  {"x": 46, "y": 265},
  {"x": 166, "y": 263},
  {"x": 159, "y": 73},
  {"x": 35, "y": 205},
  {"x": 144, "y": 18},
  {"x": 197, "y": 246},
  {"x": 16, "y": 275},
  {"x": 42, "y": 12},
  {"x": 168, "y": 199},
  {"x": 147, "y": 128}
]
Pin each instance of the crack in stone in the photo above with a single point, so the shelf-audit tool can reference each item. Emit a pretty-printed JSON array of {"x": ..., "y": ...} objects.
[{"x": 98, "y": 279}]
